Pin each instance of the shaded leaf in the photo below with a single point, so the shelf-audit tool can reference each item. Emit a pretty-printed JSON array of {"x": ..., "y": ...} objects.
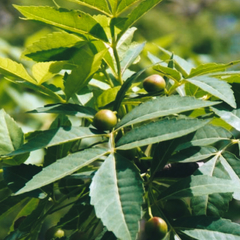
[
  {"x": 62, "y": 168},
  {"x": 193, "y": 154},
  {"x": 66, "y": 109},
  {"x": 70, "y": 20},
  {"x": 117, "y": 197},
  {"x": 215, "y": 87},
  {"x": 54, "y": 137},
  {"x": 124, "y": 5},
  {"x": 160, "y": 107}
]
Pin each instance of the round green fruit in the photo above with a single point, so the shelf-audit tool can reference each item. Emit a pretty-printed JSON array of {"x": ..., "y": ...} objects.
[
  {"x": 154, "y": 83},
  {"x": 105, "y": 119},
  {"x": 175, "y": 208},
  {"x": 156, "y": 228},
  {"x": 54, "y": 233}
]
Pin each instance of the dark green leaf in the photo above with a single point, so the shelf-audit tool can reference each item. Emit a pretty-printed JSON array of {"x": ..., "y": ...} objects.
[
  {"x": 198, "y": 186},
  {"x": 206, "y": 228},
  {"x": 160, "y": 107},
  {"x": 62, "y": 168},
  {"x": 66, "y": 109},
  {"x": 54, "y": 137},
  {"x": 159, "y": 131}
]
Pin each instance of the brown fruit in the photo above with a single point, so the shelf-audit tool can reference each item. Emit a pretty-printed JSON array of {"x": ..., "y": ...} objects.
[{"x": 154, "y": 83}]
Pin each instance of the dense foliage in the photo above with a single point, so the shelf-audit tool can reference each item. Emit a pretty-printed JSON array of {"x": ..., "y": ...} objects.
[{"x": 178, "y": 142}]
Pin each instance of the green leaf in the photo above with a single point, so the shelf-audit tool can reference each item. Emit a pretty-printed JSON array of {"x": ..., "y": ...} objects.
[
  {"x": 17, "y": 176},
  {"x": 209, "y": 68},
  {"x": 168, "y": 72},
  {"x": 11, "y": 135},
  {"x": 124, "y": 5},
  {"x": 88, "y": 64},
  {"x": 54, "y": 46},
  {"x": 66, "y": 109},
  {"x": 214, "y": 204},
  {"x": 215, "y": 87},
  {"x": 206, "y": 228},
  {"x": 158, "y": 131},
  {"x": 231, "y": 164},
  {"x": 160, "y": 107},
  {"x": 193, "y": 154},
  {"x": 44, "y": 71},
  {"x": 138, "y": 12},
  {"x": 198, "y": 186},
  {"x": 207, "y": 135},
  {"x": 55, "y": 137},
  {"x": 70, "y": 20},
  {"x": 181, "y": 64},
  {"x": 130, "y": 56},
  {"x": 101, "y": 6},
  {"x": 117, "y": 197},
  {"x": 14, "y": 70},
  {"x": 108, "y": 96},
  {"x": 62, "y": 168},
  {"x": 123, "y": 90},
  {"x": 230, "y": 117}
]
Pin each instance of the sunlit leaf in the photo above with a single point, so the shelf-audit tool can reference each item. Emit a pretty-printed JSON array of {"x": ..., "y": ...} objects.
[
  {"x": 162, "y": 106},
  {"x": 70, "y": 20},
  {"x": 117, "y": 197},
  {"x": 14, "y": 70},
  {"x": 62, "y": 168},
  {"x": 158, "y": 131},
  {"x": 215, "y": 87}
]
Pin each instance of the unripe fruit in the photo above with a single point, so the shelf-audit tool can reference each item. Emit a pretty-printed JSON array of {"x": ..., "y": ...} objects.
[
  {"x": 54, "y": 233},
  {"x": 175, "y": 208},
  {"x": 154, "y": 83},
  {"x": 156, "y": 228},
  {"x": 105, "y": 119}
]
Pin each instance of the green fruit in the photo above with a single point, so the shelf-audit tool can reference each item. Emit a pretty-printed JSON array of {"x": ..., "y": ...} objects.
[
  {"x": 175, "y": 208},
  {"x": 156, "y": 228},
  {"x": 154, "y": 83},
  {"x": 54, "y": 233},
  {"x": 105, "y": 120}
]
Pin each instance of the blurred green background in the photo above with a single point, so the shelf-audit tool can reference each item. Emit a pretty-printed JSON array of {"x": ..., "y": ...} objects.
[{"x": 197, "y": 30}]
